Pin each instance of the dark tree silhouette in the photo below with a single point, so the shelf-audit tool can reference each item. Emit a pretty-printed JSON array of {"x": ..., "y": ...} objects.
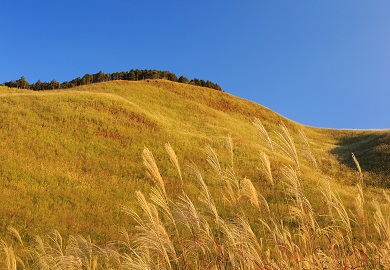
[{"x": 132, "y": 75}]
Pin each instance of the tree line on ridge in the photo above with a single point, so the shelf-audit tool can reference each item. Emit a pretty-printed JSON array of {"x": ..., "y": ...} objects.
[{"x": 132, "y": 75}]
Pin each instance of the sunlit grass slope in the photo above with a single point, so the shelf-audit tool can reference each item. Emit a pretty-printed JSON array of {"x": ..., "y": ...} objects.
[{"x": 71, "y": 159}]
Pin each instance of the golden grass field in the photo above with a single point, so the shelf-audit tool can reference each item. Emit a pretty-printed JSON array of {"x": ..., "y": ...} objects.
[{"x": 268, "y": 192}]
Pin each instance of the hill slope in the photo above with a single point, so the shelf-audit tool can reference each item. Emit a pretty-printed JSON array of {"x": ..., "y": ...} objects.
[{"x": 71, "y": 159}]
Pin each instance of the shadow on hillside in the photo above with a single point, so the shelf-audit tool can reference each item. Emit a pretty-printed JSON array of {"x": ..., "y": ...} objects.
[{"x": 373, "y": 153}]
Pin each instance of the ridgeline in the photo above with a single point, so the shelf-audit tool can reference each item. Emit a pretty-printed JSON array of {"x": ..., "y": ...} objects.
[
  {"x": 132, "y": 75},
  {"x": 173, "y": 175}
]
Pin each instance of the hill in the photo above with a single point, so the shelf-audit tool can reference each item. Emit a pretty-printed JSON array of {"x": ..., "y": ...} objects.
[{"x": 72, "y": 159}]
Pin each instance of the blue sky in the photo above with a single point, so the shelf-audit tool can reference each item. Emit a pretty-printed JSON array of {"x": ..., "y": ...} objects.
[{"x": 324, "y": 63}]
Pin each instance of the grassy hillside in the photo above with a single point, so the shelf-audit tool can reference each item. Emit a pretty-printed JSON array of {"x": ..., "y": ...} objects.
[{"x": 71, "y": 159}]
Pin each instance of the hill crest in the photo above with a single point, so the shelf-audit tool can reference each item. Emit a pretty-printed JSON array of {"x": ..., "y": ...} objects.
[{"x": 84, "y": 145}]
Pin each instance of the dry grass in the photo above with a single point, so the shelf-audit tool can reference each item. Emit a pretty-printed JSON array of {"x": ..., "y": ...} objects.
[
  {"x": 309, "y": 154},
  {"x": 285, "y": 143},
  {"x": 264, "y": 134},
  {"x": 71, "y": 159},
  {"x": 358, "y": 168},
  {"x": 266, "y": 167},
  {"x": 174, "y": 233}
]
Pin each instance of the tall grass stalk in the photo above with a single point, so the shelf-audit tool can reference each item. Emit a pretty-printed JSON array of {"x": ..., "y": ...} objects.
[
  {"x": 344, "y": 221},
  {"x": 309, "y": 153},
  {"x": 152, "y": 234},
  {"x": 231, "y": 186},
  {"x": 249, "y": 191},
  {"x": 229, "y": 147},
  {"x": 212, "y": 159},
  {"x": 152, "y": 170},
  {"x": 174, "y": 160},
  {"x": 159, "y": 196},
  {"x": 358, "y": 168},
  {"x": 263, "y": 134},
  {"x": 266, "y": 168},
  {"x": 10, "y": 262},
  {"x": 285, "y": 143},
  {"x": 205, "y": 196},
  {"x": 359, "y": 204},
  {"x": 301, "y": 209},
  {"x": 382, "y": 222}
]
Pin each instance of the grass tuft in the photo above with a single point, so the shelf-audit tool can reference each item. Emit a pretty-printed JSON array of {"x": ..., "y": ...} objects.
[{"x": 285, "y": 143}]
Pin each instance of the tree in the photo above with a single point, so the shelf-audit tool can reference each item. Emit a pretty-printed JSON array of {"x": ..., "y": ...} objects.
[
  {"x": 115, "y": 76},
  {"x": 164, "y": 74},
  {"x": 195, "y": 81},
  {"x": 22, "y": 83},
  {"x": 10, "y": 84},
  {"x": 54, "y": 84},
  {"x": 154, "y": 74},
  {"x": 38, "y": 86},
  {"x": 172, "y": 77},
  {"x": 78, "y": 81},
  {"x": 183, "y": 79},
  {"x": 87, "y": 79},
  {"x": 65, "y": 85},
  {"x": 131, "y": 76},
  {"x": 99, "y": 77}
]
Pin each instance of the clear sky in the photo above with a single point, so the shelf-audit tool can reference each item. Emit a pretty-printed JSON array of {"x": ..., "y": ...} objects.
[{"x": 323, "y": 63}]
